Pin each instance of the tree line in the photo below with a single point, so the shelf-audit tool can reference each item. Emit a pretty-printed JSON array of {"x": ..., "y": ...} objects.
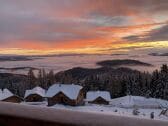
[
  {"x": 145, "y": 84},
  {"x": 119, "y": 84}
]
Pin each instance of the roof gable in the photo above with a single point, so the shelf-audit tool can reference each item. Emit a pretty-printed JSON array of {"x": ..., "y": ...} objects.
[
  {"x": 70, "y": 90},
  {"x": 37, "y": 90},
  {"x": 92, "y": 95},
  {"x": 4, "y": 94}
]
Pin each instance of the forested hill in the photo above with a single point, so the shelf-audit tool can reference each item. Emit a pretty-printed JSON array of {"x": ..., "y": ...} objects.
[
  {"x": 120, "y": 81},
  {"x": 78, "y": 74},
  {"x": 108, "y": 68}
]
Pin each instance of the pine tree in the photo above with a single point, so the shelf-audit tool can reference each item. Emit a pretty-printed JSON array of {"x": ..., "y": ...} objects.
[
  {"x": 44, "y": 80},
  {"x": 31, "y": 79},
  {"x": 164, "y": 69},
  {"x": 154, "y": 83},
  {"x": 40, "y": 78},
  {"x": 50, "y": 78}
]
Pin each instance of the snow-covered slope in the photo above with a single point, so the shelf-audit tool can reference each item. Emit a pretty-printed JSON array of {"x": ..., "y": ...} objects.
[
  {"x": 123, "y": 106},
  {"x": 138, "y": 101}
]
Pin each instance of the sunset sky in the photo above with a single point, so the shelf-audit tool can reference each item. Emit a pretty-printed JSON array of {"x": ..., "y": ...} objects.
[{"x": 83, "y": 26}]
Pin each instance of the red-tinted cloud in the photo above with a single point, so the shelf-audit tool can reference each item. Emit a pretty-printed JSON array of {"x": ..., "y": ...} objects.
[{"x": 77, "y": 24}]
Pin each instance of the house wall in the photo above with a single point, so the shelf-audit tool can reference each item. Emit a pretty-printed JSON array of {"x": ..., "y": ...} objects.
[
  {"x": 13, "y": 99},
  {"x": 80, "y": 98},
  {"x": 34, "y": 98}
]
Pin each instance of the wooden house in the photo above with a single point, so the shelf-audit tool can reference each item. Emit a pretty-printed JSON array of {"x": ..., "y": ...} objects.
[
  {"x": 68, "y": 94},
  {"x": 36, "y": 94},
  {"x": 98, "y": 97},
  {"x": 7, "y": 96}
]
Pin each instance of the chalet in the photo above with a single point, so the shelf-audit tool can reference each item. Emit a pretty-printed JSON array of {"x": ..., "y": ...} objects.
[
  {"x": 98, "y": 97},
  {"x": 36, "y": 94},
  {"x": 68, "y": 94},
  {"x": 7, "y": 96}
]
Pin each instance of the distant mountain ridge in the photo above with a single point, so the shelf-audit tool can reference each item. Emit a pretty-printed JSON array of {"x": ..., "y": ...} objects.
[
  {"x": 18, "y": 68},
  {"x": 158, "y": 54},
  {"x": 14, "y": 58},
  {"x": 116, "y": 63}
]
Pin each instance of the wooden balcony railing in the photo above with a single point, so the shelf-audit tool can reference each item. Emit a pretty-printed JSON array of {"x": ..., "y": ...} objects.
[{"x": 24, "y": 115}]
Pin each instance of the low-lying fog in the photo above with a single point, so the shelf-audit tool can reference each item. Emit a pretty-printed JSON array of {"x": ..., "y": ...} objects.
[{"x": 60, "y": 63}]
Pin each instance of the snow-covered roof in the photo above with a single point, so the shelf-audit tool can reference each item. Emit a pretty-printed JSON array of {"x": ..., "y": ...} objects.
[
  {"x": 37, "y": 90},
  {"x": 70, "y": 90},
  {"x": 92, "y": 95},
  {"x": 5, "y": 93}
]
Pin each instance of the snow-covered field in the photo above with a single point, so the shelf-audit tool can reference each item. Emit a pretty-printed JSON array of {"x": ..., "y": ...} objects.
[
  {"x": 123, "y": 106},
  {"x": 105, "y": 109}
]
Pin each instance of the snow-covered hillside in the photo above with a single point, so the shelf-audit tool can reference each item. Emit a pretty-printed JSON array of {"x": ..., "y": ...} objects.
[
  {"x": 110, "y": 110},
  {"x": 139, "y": 102}
]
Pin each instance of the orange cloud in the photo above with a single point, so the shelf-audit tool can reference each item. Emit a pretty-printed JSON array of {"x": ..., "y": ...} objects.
[{"x": 79, "y": 25}]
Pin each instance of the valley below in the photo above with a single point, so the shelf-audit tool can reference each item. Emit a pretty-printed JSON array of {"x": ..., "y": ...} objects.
[{"x": 59, "y": 63}]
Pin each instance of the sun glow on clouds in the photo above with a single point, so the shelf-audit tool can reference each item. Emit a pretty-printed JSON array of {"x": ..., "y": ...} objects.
[
  {"x": 82, "y": 26},
  {"x": 123, "y": 47}
]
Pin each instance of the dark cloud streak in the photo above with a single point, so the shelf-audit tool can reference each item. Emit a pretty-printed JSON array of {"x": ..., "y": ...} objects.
[{"x": 159, "y": 34}]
